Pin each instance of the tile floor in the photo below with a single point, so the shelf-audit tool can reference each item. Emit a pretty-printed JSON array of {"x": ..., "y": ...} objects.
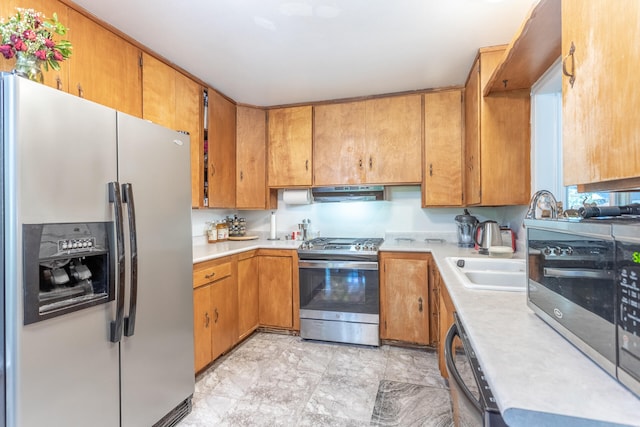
[{"x": 282, "y": 380}]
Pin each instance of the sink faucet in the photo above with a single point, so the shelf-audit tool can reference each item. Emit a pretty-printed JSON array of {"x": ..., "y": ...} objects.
[{"x": 553, "y": 204}]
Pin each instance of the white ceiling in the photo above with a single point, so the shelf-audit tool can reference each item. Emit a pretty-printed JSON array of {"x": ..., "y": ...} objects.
[{"x": 274, "y": 52}]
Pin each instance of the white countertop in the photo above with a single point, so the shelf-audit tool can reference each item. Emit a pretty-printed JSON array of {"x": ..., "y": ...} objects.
[
  {"x": 203, "y": 251},
  {"x": 537, "y": 377}
]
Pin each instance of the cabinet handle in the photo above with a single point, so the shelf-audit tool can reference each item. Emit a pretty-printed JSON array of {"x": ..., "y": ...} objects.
[
  {"x": 213, "y": 170},
  {"x": 370, "y": 162},
  {"x": 420, "y": 304},
  {"x": 215, "y": 310},
  {"x": 572, "y": 74},
  {"x": 58, "y": 83},
  {"x": 360, "y": 163},
  {"x": 80, "y": 91},
  {"x": 206, "y": 320},
  {"x": 241, "y": 175},
  {"x": 209, "y": 276},
  {"x": 306, "y": 164},
  {"x": 430, "y": 169}
]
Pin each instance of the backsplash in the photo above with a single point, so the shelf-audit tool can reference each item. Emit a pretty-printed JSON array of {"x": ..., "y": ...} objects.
[{"x": 401, "y": 214}]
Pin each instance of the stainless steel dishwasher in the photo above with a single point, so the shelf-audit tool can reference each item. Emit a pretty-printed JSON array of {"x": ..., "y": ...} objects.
[{"x": 471, "y": 397}]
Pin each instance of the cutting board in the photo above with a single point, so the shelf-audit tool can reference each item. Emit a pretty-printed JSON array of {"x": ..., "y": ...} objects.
[{"x": 243, "y": 237}]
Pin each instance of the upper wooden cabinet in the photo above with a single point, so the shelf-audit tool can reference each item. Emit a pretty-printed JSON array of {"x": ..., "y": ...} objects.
[
  {"x": 533, "y": 49},
  {"x": 112, "y": 79},
  {"x": 251, "y": 158},
  {"x": 56, "y": 79},
  {"x": 394, "y": 140},
  {"x": 497, "y": 139},
  {"x": 339, "y": 146},
  {"x": 289, "y": 147},
  {"x": 222, "y": 151},
  {"x": 189, "y": 117},
  {"x": 443, "y": 143},
  {"x": 601, "y": 140},
  {"x": 158, "y": 91},
  {"x": 376, "y": 141},
  {"x": 173, "y": 100}
]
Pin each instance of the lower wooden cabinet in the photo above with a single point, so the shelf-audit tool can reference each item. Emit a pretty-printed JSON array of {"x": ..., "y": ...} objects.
[
  {"x": 404, "y": 297},
  {"x": 215, "y": 302},
  {"x": 248, "y": 319},
  {"x": 445, "y": 312},
  {"x": 278, "y": 294}
]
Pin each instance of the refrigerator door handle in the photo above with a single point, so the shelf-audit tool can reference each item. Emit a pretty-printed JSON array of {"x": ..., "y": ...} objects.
[
  {"x": 130, "y": 321},
  {"x": 114, "y": 197}
]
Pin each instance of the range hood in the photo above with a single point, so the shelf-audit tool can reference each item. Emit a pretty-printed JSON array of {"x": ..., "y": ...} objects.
[{"x": 354, "y": 193}]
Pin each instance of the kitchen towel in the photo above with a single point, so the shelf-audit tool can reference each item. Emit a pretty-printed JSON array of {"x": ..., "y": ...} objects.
[{"x": 296, "y": 197}]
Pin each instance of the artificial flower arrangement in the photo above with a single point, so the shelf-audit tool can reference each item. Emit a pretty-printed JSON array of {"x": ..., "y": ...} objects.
[{"x": 29, "y": 33}]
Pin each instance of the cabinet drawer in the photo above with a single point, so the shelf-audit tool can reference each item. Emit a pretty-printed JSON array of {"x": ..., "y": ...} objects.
[{"x": 204, "y": 273}]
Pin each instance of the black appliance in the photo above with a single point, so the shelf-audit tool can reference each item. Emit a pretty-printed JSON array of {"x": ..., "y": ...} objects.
[
  {"x": 339, "y": 290},
  {"x": 471, "y": 397}
]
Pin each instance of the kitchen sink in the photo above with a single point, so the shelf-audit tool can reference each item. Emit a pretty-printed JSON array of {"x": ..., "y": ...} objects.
[{"x": 490, "y": 273}]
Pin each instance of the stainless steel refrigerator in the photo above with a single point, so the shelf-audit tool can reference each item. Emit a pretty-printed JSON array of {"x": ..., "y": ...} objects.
[{"x": 96, "y": 264}]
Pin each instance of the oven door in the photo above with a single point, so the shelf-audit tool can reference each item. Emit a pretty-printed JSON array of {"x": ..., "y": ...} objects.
[
  {"x": 571, "y": 285},
  {"x": 339, "y": 290}
]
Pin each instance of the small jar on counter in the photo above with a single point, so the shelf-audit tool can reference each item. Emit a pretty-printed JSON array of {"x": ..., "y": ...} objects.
[
  {"x": 223, "y": 231},
  {"x": 212, "y": 232}
]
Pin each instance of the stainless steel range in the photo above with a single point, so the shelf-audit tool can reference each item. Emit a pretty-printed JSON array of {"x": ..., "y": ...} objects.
[{"x": 339, "y": 290}]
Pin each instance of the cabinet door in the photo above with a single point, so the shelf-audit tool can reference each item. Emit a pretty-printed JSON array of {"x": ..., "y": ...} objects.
[
  {"x": 394, "y": 140},
  {"x": 442, "y": 185},
  {"x": 289, "y": 146},
  {"x": 104, "y": 68},
  {"x": 276, "y": 291},
  {"x": 405, "y": 297},
  {"x": 472, "y": 136},
  {"x": 251, "y": 160},
  {"x": 202, "y": 326},
  {"x": 222, "y": 151},
  {"x": 601, "y": 140},
  {"x": 247, "y": 295},
  {"x": 224, "y": 315},
  {"x": 158, "y": 92},
  {"x": 189, "y": 112},
  {"x": 57, "y": 79},
  {"x": 339, "y": 144},
  {"x": 504, "y": 141}
]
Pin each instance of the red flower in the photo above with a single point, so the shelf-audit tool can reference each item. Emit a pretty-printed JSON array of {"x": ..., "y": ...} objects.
[
  {"x": 29, "y": 35},
  {"x": 57, "y": 55},
  {"x": 41, "y": 54},
  {"x": 20, "y": 46},
  {"x": 6, "y": 51},
  {"x": 49, "y": 43}
]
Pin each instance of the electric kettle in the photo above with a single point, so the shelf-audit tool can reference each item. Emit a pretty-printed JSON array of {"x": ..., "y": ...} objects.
[{"x": 487, "y": 234}]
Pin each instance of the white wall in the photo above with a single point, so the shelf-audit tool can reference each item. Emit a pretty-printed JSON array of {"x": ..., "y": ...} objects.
[{"x": 362, "y": 219}]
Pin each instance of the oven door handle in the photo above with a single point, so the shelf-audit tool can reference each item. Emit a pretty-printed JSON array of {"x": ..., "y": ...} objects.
[
  {"x": 577, "y": 273},
  {"x": 453, "y": 371},
  {"x": 353, "y": 265}
]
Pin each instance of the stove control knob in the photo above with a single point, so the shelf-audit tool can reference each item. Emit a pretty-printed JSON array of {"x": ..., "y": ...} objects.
[
  {"x": 373, "y": 248},
  {"x": 309, "y": 245},
  {"x": 358, "y": 247}
]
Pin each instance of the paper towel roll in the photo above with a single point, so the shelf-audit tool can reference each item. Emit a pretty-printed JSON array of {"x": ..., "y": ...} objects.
[
  {"x": 296, "y": 197},
  {"x": 272, "y": 231}
]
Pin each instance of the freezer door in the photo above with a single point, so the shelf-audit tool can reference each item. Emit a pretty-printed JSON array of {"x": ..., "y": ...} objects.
[
  {"x": 157, "y": 357},
  {"x": 59, "y": 156}
]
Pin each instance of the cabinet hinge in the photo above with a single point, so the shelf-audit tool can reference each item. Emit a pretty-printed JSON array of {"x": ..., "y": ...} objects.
[{"x": 140, "y": 60}]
